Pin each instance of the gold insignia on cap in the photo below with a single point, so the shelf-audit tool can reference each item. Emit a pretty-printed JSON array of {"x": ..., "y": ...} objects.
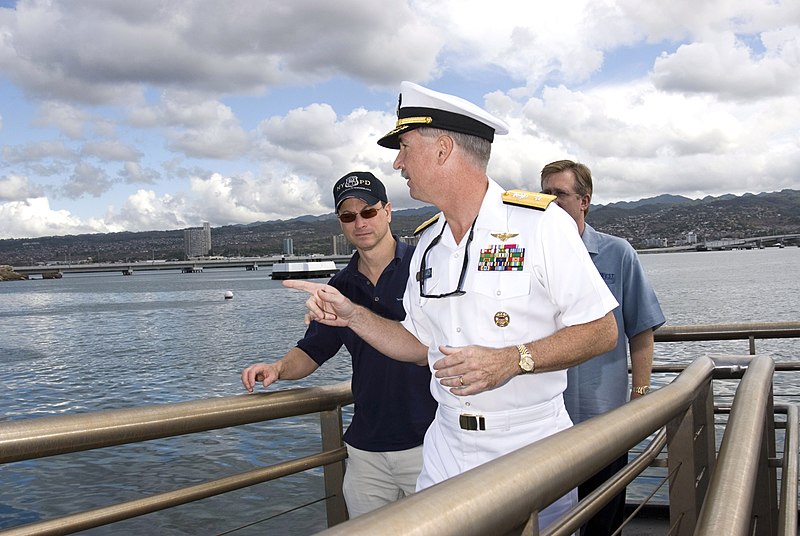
[
  {"x": 504, "y": 236},
  {"x": 424, "y": 120},
  {"x": 501, "y": 319}
]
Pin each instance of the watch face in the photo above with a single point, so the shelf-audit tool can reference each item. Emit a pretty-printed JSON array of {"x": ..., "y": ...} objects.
[{"x": 526, "y": 363}]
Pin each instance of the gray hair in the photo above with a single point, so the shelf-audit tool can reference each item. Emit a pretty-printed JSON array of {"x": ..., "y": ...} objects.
[{"x": 478, "y": 149}]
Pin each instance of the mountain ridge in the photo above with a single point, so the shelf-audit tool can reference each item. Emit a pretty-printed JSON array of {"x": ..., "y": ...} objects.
[{"x": 665, "y": 216}]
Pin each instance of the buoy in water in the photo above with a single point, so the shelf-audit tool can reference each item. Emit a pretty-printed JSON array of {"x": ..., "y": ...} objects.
[{"x": 228, "y": 295}]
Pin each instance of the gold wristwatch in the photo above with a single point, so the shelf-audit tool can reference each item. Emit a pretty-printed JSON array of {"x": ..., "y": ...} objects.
[
  {"x": 526, "y": 364},
  {"x": 643, "y": 390}
]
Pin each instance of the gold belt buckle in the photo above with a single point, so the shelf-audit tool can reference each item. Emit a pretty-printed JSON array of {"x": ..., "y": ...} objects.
[{"x": 471, "y": 422}]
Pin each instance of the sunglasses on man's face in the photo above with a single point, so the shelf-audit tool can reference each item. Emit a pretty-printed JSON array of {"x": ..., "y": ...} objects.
[{"x": 350, "y": 217}]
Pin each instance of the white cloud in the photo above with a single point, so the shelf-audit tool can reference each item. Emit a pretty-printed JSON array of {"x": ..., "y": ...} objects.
[
  {"x": 35, "y": 151},
  {"x": 34, "y": 217},
  {"x": 315, "y": 142},
  {"x": 728, "y": 68},
  {"x": 197, "y": 100},
  {"x": 239, "y": 47},
  {"x": 17, "y": 188},
  {"x": 195, "y": 125},
  {"x": 248, "y": 198},
  {"x": 86, "y": 179},
  {"x": 68, "y": 119},
  {"x": 145, "y": 211},
  {"x": 111, "y": 150},
  {"x": 133, "y": 173}
]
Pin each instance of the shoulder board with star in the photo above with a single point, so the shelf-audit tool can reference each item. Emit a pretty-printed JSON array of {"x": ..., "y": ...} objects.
[
  {"x": 522, "y": 198},
  {"x": 426, "y": 224}
]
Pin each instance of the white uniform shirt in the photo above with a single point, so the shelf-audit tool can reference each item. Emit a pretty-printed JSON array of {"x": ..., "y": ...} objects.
[{"x": 557, "y": 286}]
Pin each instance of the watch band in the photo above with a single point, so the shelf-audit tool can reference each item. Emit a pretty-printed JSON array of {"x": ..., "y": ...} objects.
[
  {"x": 526, "y": 362},
  {"x": 641, "y": 390}
]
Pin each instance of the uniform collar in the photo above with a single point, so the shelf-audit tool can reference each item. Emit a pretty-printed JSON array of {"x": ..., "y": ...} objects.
[{"x": 493, "y": 215}]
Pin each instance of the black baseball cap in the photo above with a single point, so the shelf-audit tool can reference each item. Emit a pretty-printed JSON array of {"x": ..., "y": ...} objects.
[{"x": 361, "y": 184}]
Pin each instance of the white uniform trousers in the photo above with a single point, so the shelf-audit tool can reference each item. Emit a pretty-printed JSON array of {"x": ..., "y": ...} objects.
[{"x": 450, "y": 450}]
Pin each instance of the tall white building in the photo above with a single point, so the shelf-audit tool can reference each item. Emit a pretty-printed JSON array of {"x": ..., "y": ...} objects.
[
  {"x": 341, "y": 246},
  {"x": 197, "y": 241},
  {"x": 288, "y": 246}
]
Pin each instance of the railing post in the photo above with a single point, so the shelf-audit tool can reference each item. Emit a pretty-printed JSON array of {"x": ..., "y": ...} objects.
[
  {"x": 331, "y": 429},
  {"x": 691, "y": 449},
  {"x": 789, "y": 469},
  {"x": 765, "y": 504}
]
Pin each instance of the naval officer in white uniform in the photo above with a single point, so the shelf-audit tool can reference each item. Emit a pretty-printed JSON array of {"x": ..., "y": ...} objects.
[{"x": 502, "y": 296}]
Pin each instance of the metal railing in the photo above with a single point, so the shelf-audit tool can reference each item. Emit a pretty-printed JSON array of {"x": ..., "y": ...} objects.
[
  {"x": 49, "y": 436},
  {"x": 725, "y": 332},
  {"x": 743, "y": 462},
  {"x": 504, "y": 494}
]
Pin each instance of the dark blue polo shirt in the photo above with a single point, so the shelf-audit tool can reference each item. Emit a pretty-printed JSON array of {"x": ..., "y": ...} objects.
[{"x": 393, "y": 402}]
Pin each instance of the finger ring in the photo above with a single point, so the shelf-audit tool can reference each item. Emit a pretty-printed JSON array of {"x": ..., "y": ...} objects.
[{"x": 461, "y": 380}]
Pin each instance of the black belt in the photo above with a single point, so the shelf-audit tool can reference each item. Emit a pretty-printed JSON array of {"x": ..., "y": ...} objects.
[{"x": 471, "y": 422}]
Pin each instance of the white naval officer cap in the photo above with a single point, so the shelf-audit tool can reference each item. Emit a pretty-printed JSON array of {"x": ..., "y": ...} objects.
[{"x": 419, "y": 106}]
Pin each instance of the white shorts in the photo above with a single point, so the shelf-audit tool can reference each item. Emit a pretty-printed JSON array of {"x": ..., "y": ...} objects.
[
  {"x": 450, "y": 450},
  {"x": 373, "y": 479}
]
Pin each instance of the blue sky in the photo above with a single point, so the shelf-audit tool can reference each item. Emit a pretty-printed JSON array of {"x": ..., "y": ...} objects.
[{"x": 130, "y": 116}]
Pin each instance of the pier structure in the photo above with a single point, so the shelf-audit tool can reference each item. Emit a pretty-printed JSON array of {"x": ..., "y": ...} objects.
[
  {"x": 187, "y": 266},
  {"x": 757, "y": 242}
]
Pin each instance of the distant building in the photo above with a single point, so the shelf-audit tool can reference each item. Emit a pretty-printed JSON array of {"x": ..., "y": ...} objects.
[
  {"x": 691, "y": 238},
  {"x": 197, "y": 241},
  {"x": 288, "y": 246},
  {"x": 340, "y": 245},
  {"x": 655, "y": 242}
]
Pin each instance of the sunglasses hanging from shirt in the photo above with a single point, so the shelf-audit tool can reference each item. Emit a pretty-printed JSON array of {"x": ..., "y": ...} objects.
[{"x": 425, "y": 273}]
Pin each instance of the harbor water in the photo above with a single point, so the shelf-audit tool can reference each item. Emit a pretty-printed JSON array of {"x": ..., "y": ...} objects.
[{"x": 102, "y": 341}]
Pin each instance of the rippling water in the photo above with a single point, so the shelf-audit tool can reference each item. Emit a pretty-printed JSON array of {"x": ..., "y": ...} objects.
[{"x": 90, "y": 342}]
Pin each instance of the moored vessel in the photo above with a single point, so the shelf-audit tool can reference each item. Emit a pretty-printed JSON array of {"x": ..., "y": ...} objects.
[{"x": 303, "y": 270}]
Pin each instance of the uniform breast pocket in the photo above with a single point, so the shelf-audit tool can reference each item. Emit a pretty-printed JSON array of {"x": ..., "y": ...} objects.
[
  {"x": 503, "y": 306},
  {"x": 503, "y": 285}
]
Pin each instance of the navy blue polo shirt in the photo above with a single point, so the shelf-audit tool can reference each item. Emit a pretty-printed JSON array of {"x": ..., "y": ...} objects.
[{"x": 393, "y": 402}]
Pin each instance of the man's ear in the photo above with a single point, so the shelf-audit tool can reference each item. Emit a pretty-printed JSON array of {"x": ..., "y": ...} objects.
[
  {"x": 586, "y": 200},
  {"x": 444, "y": 148}
]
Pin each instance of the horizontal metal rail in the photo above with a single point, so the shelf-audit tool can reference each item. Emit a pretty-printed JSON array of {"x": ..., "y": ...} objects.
[
  {"x": 126, "y": 510},
  {"x": 721, "y": 332},
  {"x": 48, "y": 436}
]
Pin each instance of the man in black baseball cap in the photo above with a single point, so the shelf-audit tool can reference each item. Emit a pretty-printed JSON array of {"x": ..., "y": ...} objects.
[
  {"x": 361, "y": 184},
  {"x": 393, "y": 401}
]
